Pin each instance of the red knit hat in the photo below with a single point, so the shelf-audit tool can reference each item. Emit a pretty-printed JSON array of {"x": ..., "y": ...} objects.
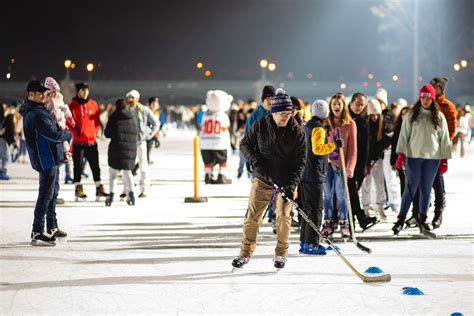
[{"x": 428, "y": 91}]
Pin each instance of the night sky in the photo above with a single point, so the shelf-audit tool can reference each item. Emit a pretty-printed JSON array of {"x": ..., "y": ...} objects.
[{"x": 158, "y": 40}]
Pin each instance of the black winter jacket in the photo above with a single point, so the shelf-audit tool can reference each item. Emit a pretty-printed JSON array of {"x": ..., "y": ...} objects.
[
  {"x": 122, "y": 131},
  {"x": 275, "y": 152},
  {"x": 362, "y": 144},
  {"x": 376, "y": 148}
]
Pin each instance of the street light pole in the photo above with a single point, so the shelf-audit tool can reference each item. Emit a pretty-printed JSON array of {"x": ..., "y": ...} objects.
[{"x": 415, "y": 50}]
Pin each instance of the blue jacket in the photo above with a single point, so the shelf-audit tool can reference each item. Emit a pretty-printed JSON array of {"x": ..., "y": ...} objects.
[
  {"x": 255, "y": 116},
  {"x": 43, "y": 137}
]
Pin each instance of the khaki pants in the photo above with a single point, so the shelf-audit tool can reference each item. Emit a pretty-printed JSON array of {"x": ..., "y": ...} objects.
[{"x": 260, "y": 196}]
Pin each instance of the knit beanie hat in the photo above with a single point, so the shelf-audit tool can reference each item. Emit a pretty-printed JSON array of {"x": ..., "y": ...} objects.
[
  {"x": 82, "y": 85},
  {"x": 320, "y": 109},
  {"x": 281, "y": 101},
  {"x": 441, "y": 82},
  {"x": 51, "y": 84},
  {"x": 401, "y": 102},
  {"x": 133, "y": 93},
  {"x": 297, "y": 103},
  {"x": 428, "y": 91},
  {"x": 374, "y": 107},
  {"x": 382, "y": 95},
  {"x": 268, "y": 91}
]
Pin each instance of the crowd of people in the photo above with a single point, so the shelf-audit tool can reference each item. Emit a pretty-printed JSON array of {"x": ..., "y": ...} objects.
[{"x": 395, "y": 150}]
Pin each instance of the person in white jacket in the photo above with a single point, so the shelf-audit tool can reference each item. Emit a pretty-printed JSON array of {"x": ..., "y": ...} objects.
[{"x": 146, "y": 127}]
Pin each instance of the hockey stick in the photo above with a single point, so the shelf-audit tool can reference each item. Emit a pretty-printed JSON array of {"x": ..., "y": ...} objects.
[
  {"x": 365, "y": 278},
  {"x": 348, "y": 200}
]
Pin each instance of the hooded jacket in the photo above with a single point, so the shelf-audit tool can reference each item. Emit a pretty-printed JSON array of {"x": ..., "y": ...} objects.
[
  {"x": 255, "y": 116},
  {"x": 277, "y": 153},
  {"x": 85, "y": 113},
  {"x": 43, "y": 137}
]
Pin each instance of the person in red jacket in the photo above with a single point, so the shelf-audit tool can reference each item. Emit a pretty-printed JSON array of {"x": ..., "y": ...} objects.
[
  {"x": 449, "y": 110},
  {"x": 85, "y": 113}
]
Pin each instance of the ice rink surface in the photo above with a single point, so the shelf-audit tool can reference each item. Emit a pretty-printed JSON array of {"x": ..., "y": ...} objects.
[{"x": 163, "y": 256}]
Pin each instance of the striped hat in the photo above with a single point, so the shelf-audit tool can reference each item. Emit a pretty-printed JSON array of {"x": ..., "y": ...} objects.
[{"x": 281, "y": 101}]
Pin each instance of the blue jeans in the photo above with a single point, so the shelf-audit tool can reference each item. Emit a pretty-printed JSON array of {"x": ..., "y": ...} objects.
[
  {"x": 46, "y": 202},
  {"x": 335, "y": 185},
  {"x": 420, "y": 174}
]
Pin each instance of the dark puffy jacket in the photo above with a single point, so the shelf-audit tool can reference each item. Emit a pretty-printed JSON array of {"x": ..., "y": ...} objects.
[
  {"x": 316, "y": 167},
  {"x": 275, "y": 152},
  {"x": 362, "y": 144},
  {"x": 44, "y": 140},
  {"x": 122, "y": 131}
]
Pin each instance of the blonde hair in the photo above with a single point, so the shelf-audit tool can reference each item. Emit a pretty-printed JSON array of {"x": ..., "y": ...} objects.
[{"x": 346, "y": 118}]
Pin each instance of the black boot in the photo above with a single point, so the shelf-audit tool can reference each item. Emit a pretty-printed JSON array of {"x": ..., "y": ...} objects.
[
  {"x": 424, "y": 228},
  {"x": 131, "y": 198},
  {"x": 398, "y": 225},
  {"x": 109, "y": 199},
  {"x": 208, "y": 178},
  {"x": 222, "y": 179},
  {"x": 367, "y": 222},
  {"x": 438, "y": 218}
]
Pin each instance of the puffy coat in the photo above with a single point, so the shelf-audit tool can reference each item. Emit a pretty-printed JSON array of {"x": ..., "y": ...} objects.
[
  {"x": 122, "y": 131},
  {"x": 44, "y": 140},
  {"x": 275, "y": 152}
]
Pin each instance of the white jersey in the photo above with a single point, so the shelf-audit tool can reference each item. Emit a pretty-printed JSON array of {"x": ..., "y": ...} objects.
[{"x": 214, "y": 134}]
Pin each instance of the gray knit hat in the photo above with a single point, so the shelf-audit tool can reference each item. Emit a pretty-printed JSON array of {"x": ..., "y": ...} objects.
[
  {"x": 320, "y": 109},
  {"x": 441, "y": 82}
]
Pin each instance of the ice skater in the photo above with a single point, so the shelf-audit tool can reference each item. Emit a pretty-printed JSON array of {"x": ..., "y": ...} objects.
[
  {"x": 44, "y": 142},
  {"x": 275, "y": 146},
  {"x": 423, "y": 149},
  {"x": 122, "y": 153},
  {"x": 312, "y": 183}
]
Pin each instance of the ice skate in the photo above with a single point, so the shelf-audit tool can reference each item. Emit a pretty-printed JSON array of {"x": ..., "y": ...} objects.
[
  {"x": 100, "y": 193},
  {"x": 424, "y": 228},
  {"x": 279, "y": 262},
  {"x": 208, "y": 178},
  {"x": 80, "y": 195},
  {"x": 222, "y": 179},
  {"x": 437, "y": 219},
  {"x": 368, "y": 222},
  {"x": 239, "y": 262},
  {"x": 56, "y": 233},
  {"x": 328, "y": 228},
  {"x": 109, "y": 199},
  {"x": 40, "y": 239},
  {"x": 130, "y": 198},
  {"x": 398, "y": 226},
  {"x": 345, "y": 232},
  {"x": 313, "y": 250},
  {"x": 411, "y": 222}
]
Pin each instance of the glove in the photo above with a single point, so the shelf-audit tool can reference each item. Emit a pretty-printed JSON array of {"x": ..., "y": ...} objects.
[
  {"x": 443, "y": 167},
  {"x": 339, "y": 143},
  {"x": 288, "y": 191},
  {"x": 400, "y": 163}
]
